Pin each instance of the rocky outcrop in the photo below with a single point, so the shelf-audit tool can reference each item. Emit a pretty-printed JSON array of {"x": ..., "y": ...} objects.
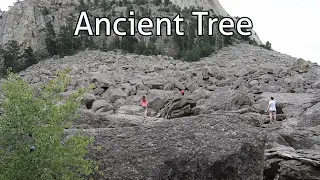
[
  {"x": 287, "y": 163},
  {"x": 178, "y": 107},
  {"x": 202, "y": 147}
]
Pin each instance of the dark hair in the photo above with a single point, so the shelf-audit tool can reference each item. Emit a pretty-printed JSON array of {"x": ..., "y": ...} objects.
[{"x": 272, "y": 98}]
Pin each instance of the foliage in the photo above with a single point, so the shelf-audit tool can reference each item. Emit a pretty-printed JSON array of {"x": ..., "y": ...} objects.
[
  {"x": 82, "y": 6},
  {"x": 268, "y": 45},
  {"x": 11, "y": 56},
  {"x": 29, "y": 57},
  {"x": 51, "y": 40},
  {"x": 128, "y": 42},
  {"x": 39, "y": 120},
  {"x": 69, "y": 44}
]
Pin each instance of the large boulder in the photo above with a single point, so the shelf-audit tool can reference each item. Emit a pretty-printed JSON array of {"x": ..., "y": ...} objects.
[
  {"x": 302, "y": 137},
  {"x": 227, "y": 100},
  {"x": 204, "y": 147},
  {"x": 302, "y": 100},
  {"x": 311, "y": 117},
  {"x": 96, "y": 105},
  {"x": 301, "y": 66},
  {"x": 112, "y": 94},
  {"x": 287, "y": 163},
  {"x": 131, "y": 109},
  {"x": 102, "y": 81},
  {"x": 178, "y": 107}
]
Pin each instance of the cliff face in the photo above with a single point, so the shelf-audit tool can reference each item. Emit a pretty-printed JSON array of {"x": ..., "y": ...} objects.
[{"x": 26, "y": 21}]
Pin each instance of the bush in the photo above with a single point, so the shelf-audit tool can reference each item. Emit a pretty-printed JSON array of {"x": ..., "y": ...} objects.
[
  {"x": 268, "y": 45},
  {"x": 32, "y": 128}
]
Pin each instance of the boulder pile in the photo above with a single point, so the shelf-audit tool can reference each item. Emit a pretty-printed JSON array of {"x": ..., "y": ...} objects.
[{"x": 219, "y": 128}]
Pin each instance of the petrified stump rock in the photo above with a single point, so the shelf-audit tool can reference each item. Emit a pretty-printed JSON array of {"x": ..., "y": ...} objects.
[
  {"x": 286, "y": 163},
  {"x": 178, "y": 107},
  {"x": 191, "y": 148}
]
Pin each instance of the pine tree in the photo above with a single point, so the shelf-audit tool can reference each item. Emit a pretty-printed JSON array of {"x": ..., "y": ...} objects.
[
  {"x": 51, "y": 40},
  {"x": 268, "y": 45},
  {"x": 82, "y": 6},
  {"x": 66, "y": 41},
  {"x": 11, "y": 56},
  {"x": 128, "y": 43},
  {"x": 29, "y": 57},
  {"x": 89, "y": 4}
]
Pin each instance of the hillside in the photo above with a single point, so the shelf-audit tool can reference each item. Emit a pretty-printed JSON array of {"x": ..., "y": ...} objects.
[
  {"x": 47, "y": 26},
  {"x": 220, "y": 128}
]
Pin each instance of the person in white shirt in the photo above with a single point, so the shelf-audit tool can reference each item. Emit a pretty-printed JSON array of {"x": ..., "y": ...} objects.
[{"x": 272, "y": 110}]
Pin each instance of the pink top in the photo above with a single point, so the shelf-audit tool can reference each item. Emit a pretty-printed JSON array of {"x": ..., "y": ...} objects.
[{"x": 144, "y": 103}]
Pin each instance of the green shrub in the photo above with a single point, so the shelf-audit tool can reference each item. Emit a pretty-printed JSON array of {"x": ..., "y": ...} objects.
[{"x": 39, "y": 120}]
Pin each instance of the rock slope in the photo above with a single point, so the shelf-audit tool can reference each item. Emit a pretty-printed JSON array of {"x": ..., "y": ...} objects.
[{"x": 225, "y": 99}]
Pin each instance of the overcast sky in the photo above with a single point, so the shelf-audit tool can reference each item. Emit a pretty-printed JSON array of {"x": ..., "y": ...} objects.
[{"x": 292, "y": 26}]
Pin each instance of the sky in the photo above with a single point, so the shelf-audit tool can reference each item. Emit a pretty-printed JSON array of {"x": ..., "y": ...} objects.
[{"x": 291, "y": 26}]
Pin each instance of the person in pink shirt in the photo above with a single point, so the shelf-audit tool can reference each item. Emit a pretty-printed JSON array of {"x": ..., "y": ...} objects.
[
  {"x": 182, "y": 92},
  {"x": 144, "y": 103}
]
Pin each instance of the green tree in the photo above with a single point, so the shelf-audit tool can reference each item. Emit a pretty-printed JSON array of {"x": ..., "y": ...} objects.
[
  {"x": 38, "y": 121},
  {"x": 29, "y": 57},
  {"x": 11, "y": 56},
  {"x": 82, "y": 6},
  {"x": 128, "y": 43},
  {"x": 89, "y": 4},
  {"x": 268, "y": 45},
  {"x": 67, "y": 43},
  {"x": 51, "y": 39}
]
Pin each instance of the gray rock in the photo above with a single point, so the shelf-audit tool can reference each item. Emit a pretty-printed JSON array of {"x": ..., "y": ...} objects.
[
  {"x": 119, "y": 102},
  {"x": 254, "y": 83},
  {"x": 286, "y": 163},
  {"x": 241, "y": 72},
  {"x": 316, "y": 85},
  {"x": 131, "y": 109},
  {"x": 112, "y": 94},
  {"x": 311, "y": 117},
  {"x": 88, "y": 100},
  {"x": 98, "y": 91},
  {"x": 192, "y": 86},
  {"x": 228, "y": 101},
  {"x": 178, "y": 107},
  {"x": 188, "y": 148},
  {"x": 96, "y": 105},
  {"x": 156, "y": 103}
]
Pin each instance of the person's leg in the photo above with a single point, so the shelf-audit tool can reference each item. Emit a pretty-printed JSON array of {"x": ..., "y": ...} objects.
[
  {"x": 270, "y": 115},
  {"x": 145, "y": 111},
  {"x": 275, "y": 116}
]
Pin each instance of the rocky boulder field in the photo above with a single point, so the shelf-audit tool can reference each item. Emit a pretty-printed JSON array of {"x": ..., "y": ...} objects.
[{"x": 218, "y": 130}]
